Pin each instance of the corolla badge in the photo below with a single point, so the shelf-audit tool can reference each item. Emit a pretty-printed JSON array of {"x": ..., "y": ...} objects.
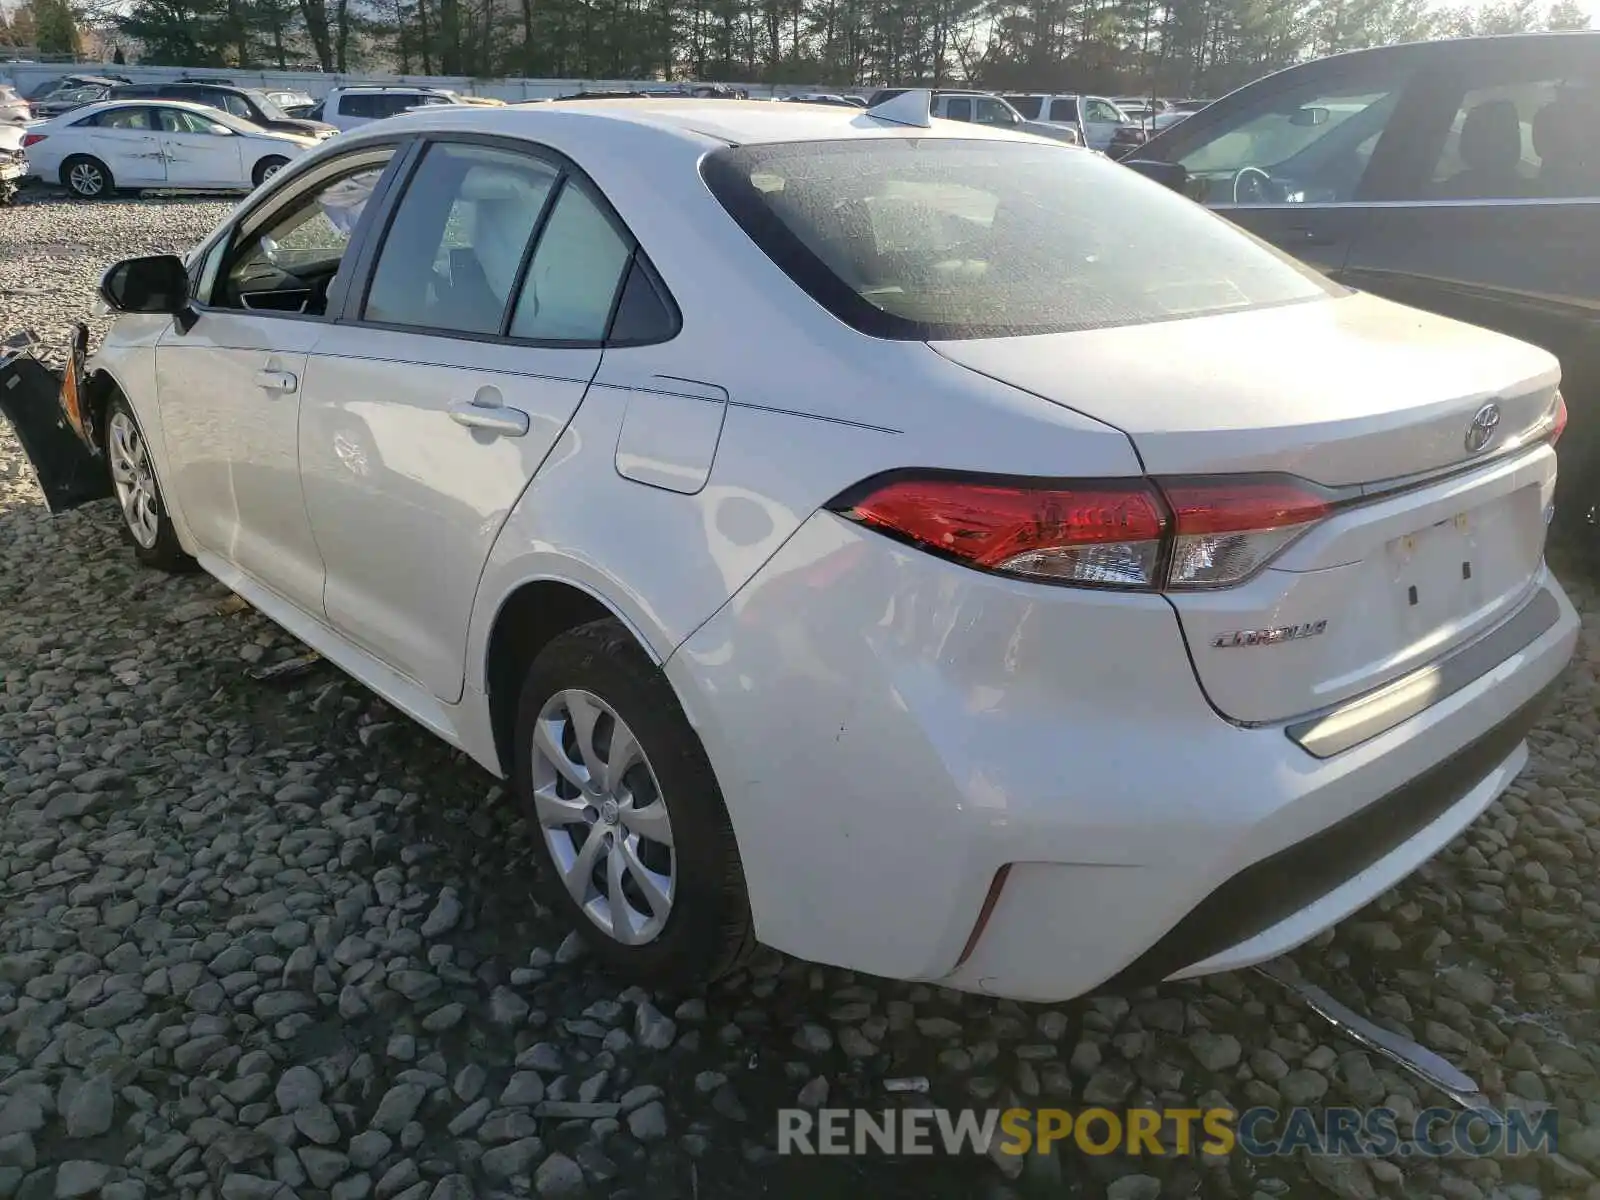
[
  {"x": 1268, "y": 637},
  {"x": 1481, "y": 432}
]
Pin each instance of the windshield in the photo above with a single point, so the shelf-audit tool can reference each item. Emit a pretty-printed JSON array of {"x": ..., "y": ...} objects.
[
  {"x": 269, "y": 110},
  {"x": 937, "y": 238},
  {"x": 238, "y": 124}
]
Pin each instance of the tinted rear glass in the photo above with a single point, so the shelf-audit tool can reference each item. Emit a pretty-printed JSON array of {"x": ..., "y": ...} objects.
[
  {"x": 946, "y": 238},
  {"x": 1028, "y": 106}
]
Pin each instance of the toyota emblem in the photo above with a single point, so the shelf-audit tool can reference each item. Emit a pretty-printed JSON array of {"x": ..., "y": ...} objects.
[{"x": 1481, "y": 432}]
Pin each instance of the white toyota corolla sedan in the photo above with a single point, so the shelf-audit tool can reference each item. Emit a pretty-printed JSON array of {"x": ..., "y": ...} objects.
[
  {"x": 133, "y": 144},
  {"x": 918, "y": 547}
]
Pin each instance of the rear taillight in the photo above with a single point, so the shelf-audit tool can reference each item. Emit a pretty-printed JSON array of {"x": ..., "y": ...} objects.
[
  {"x": 1090, "y": 533},
  {"x": 31, "y": 139},
  {"x": 1558, "y": 420},
  {"x": 1228, "y": 529},
  {"x": 1151, "y": 535}
]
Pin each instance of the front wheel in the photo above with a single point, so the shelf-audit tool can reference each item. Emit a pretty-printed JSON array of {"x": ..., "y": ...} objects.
[
  {"x": 87, "y": 178},
  {"x": 145, "y": 522},
  {"x": 267, "y": 168},
  {"x": 636, "y": 843}
]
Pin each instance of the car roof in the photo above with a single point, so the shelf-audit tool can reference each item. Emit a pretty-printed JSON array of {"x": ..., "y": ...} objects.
[
  {"x": 204, "y": 110},
  {"x": 420, "y": 89},
  {"x": 734, "y": 122}
]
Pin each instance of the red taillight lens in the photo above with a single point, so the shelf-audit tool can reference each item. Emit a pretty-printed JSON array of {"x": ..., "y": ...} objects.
[
  {"x": 1176, "y": 534},
  {"x": 1228, "y": 529},
  {"x": 1558, "y": 423},
  {"x": 1094, "y": 533},
  {"x": 31, "y": 139}
]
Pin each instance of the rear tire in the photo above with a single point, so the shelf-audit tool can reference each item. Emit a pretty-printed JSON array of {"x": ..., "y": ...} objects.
[
  {"x": 661, "y": 896},
  {"x": 87, "y": 178},
  {"x": 267, "y": 168},
  {"x": 143, "y": 513}
]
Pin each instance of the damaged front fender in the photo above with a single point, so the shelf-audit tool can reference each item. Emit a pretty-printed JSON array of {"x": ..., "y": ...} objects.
[{"x": 50, "y": 413}]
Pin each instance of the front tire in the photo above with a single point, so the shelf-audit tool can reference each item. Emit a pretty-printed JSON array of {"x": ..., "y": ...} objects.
[
  {"x": 87, "y": 178},
  {"x": 267, "y": 168},
  {"x": 634, "y": 838},
  {"x": 145, "y": 522}
]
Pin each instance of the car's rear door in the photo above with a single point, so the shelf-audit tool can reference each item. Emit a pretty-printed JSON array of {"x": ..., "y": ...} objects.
[
  {"x": 1493, "y": 213},
  {"x": 128, "y": 142},
  {"x": 429, "y": 408}
]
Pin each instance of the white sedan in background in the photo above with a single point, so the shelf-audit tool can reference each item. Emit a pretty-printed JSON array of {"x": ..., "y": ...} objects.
[
  {"x": 919, "y": 546},
  {"x": 95, "y": 150}
]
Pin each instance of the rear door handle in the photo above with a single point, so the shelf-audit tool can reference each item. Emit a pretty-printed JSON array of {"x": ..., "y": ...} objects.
[
  {"x": 277, "y": 381},
  {"x": 486, "y": 412}
]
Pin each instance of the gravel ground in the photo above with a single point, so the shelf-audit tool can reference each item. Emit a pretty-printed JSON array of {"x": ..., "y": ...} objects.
[{"x": 260, "y": 941}]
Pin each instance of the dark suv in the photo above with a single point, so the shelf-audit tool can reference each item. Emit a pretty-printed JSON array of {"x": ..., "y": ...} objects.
[
  {"x": 1460, "y": 176},
  {"x": 252, "y": 105}
]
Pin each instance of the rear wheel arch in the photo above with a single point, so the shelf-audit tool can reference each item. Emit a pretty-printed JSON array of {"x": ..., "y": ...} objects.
[{"x": 530, "y": 617}]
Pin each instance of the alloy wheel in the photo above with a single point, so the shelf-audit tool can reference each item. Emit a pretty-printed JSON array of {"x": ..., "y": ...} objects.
[
  {"x": 87, "y": 179},
  {"x": 603, "y": 818},
  {"x": 133, "y": 479}
]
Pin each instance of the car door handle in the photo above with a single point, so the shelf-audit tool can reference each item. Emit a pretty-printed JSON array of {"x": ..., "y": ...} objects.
[
  {"x": 277, "y": 381},
  {"x": 1301, "y": 236},
  {"x": 493, "y": 418}
]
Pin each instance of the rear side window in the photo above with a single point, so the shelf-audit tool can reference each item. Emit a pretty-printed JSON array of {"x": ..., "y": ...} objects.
[
  {"x": 1028, "y": 106},
  {"x": 575, "y": 273},
  {"x": 450, "y": 259},
  {"x": 1064, "y": 110},
  {"x": 360, "y": 104},
  {"x": 934, "y": 238},
  {"x": 958, "y": 108}
]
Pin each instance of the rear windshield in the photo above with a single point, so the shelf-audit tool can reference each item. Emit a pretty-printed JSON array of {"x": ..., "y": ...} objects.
[{"x": 935, "y": 238}]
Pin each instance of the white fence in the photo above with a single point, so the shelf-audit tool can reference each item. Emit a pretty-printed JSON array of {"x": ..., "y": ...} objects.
[{"x": 28, "y": 75}]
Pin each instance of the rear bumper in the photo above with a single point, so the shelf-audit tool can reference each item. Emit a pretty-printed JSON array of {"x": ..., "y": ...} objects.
[{"x": 890, "y": 730}]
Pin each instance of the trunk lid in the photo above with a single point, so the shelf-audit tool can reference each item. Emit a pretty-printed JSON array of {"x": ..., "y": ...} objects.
[{"x": 1355, "y": 394}]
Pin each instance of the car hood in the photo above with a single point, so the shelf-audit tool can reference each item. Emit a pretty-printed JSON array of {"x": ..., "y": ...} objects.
[{"x": 299, "y": 125}]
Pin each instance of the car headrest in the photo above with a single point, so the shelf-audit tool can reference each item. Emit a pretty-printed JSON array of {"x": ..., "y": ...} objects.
[{"x": 1491, "y": 136}]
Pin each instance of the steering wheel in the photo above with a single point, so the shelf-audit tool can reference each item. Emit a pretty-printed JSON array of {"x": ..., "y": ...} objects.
[{"x": 1252, "y": 185}]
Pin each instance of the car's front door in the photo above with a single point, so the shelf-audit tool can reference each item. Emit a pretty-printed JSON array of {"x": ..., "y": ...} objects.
[
  {"x": 199, "y": 152},
  {"x": 1100, "y": 120},
  {"x": 1291, "y": 159},
  {"x": 230, "y": 385},
  {"x": 128, "y": 142},
  {"x": 429, "y": 410}
]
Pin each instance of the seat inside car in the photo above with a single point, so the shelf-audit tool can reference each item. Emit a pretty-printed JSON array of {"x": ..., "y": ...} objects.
[
  {"x": 1490, "y": 149},
  {"x": 1564, "y": 140}
]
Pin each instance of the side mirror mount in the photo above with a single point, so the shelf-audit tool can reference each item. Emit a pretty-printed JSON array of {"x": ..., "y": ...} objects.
[
  {"x": 1309, "y": 116},
  {"x": 157, "y": 284},
  {"x": 1172, "y": 175}
]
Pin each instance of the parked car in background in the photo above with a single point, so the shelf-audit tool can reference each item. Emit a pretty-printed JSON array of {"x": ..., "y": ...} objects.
[
  {"x": 1095, "y": 118},
  {"x": 286, "y": 99},
  {"x": 1461, "y": 176},
  {"x": 832, "y": 98},
  {"x": 14, "y": 110},
  {"x": 983, "y": 108},
  {"x": 133, "y": 144},
  {"x": 63, "y": 83},
  {"x": 248, "y": 104},
  {"x": 66, "y": 99},
  {"x": 349, "y": 107},
  {"x": 854, "y": 439}
]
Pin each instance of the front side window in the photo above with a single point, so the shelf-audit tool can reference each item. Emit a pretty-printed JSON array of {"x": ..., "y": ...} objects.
[
  {"x": 1293, "y": 147},
  {"x": 1102, "y": 112},
  {"x": 993, "y": 112},
  {"x": 450, "y": 258},
  {"x": 176, "y": 120},
  {"x": 933, "y": 238},
  {"x": 289, "y": 263}
]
